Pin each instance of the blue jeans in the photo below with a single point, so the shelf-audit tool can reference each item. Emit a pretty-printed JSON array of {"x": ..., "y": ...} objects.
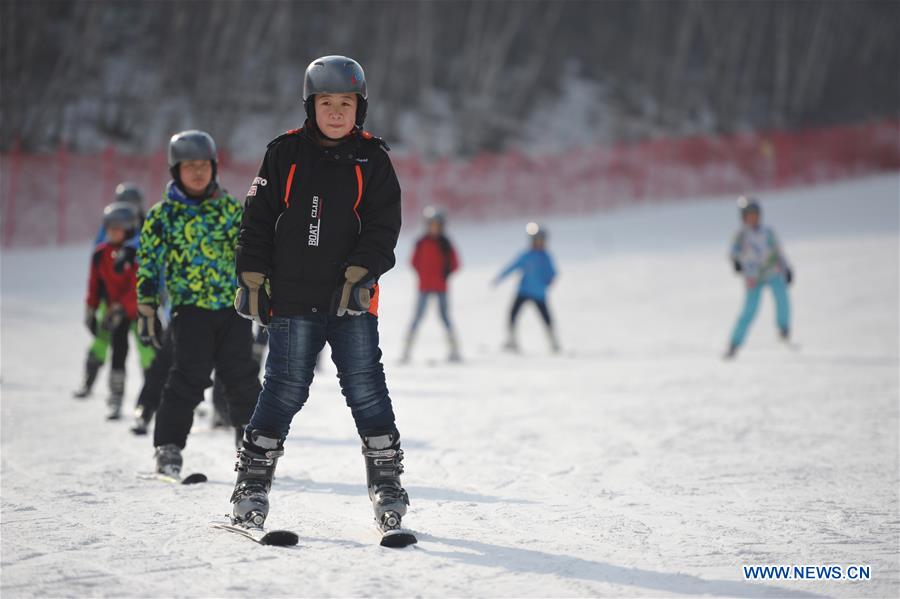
[
  {"x": 423, "y": 302},
  {"x": 295, "y": 343},
  {"x": 751, "y": 304}
]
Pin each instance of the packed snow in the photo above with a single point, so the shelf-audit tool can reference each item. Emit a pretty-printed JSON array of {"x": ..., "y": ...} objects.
[{"x": 637, "y": 463}]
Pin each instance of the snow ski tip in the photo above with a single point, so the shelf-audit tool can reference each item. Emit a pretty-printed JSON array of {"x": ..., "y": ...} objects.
[
  {"x": 398, "y": 539},
  {"x": 193, "y": 479}
]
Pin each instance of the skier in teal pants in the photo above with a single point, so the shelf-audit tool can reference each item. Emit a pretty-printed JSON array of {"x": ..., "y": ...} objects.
[{"x": 757, "y": 255}]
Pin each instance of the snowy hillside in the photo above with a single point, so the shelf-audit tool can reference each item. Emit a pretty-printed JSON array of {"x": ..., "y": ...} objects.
[{"x": 637, "y": 464}]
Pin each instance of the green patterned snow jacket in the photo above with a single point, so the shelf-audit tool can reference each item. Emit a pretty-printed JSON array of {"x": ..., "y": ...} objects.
[{"x": 187, "y": 247}]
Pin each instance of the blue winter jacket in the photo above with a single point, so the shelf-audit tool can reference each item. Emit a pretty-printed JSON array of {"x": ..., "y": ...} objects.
[{"x": 537, "y": 273}]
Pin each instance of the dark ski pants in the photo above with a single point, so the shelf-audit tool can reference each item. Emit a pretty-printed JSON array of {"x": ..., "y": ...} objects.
[
  {"x": 203, "y": 340},
  {"x": 119, "y": 343},
  {"x": 294, "y": 345},
  {"x": 541, "y": 306},
  {"x": 155, "y": 378}
]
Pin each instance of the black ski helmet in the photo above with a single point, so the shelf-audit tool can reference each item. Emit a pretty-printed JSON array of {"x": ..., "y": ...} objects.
[
  {"x": 192, "y": 145},
  {"x": 123, "y": 215},
  {"x": 335, "y": 75},
  {"x": 434, "y": 214},
  {"x": 748, "y": 204},
  {"x": 536, "y": 232},
  {"x": 131, "y": 193}
]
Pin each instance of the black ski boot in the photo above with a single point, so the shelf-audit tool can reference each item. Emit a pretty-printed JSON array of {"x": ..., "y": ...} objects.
[
  {"x": 142, "y": 417},
  {"x": 255, "y": 466},
  {"x": 168, "y": 460},
  {"x": 91, "y": 369},
  {"x": 116, "y": 391},
  {"x": 384, "y": 465}
]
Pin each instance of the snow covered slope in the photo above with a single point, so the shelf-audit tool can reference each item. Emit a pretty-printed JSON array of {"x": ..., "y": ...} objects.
[{"x": 638, "y": 463}]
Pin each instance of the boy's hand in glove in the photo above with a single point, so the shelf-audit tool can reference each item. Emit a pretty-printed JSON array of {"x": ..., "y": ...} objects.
[
  {"x": 355, "y": 295},
  {"x": 90, "y": 320},
  {"x": 789, "y": 276},
  {"x": 149, "y": 327},
  {"x": 737, "y": 265},
  {"x": 251, "y": 300},
  {"x": 115, "y": 314}
]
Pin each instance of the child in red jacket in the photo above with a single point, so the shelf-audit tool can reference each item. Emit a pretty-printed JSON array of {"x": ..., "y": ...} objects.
[
  {"x": 435, "y": 260},
  {"x": 113, "y": 280}
]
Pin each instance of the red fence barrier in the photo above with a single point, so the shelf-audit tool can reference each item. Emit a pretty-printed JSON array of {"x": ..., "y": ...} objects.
[{"x": 58, "y": 197}]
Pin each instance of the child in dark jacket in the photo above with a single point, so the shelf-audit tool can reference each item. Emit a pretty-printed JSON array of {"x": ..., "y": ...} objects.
[
  {"x": 320, "y": 225},
  {"x": 538, "y": 273},
  {"x": 112, "y": 280},
  {"x": 434, "y": 260}
]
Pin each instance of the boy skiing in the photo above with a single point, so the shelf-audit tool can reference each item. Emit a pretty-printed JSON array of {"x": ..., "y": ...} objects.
[
  {"x": 434, "y": 260},
  {"x": 112, "y": 280},
  {"x": 130, "y": 194},
  {"x": 188, "y": 242},
  {"x": 320, "y": 224},
  {"x": 758, "y": 257},
  {"x": 538, "y": 274}
]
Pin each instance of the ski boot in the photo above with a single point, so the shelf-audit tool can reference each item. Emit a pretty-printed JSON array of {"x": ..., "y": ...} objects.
[
  {"x": 512, "y": 344},
  {"x": 141, "y": 421},
  {"x": 731, "y": 353},
  {"x": 116, "y": 391},
  {"x": 554, "y": 342},
  {"x": 784, "y": 335},
  {"x": 407, "y": 348},
  {"x": 91, "y": 369},
  {"x": 168, "y": 460},
  {"x": 384, "y": 465},
  {"x": 256, "y": 461},
  {"x": 454, "y": 348}
]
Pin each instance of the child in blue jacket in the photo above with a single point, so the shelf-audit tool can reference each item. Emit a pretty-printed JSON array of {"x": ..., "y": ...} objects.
[{"x": 538, "y": 274}]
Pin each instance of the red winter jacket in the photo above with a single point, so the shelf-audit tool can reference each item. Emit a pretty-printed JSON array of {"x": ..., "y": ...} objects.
[
  {"x": 434, "y": 259},
  {"x": 107, "y": 284}
]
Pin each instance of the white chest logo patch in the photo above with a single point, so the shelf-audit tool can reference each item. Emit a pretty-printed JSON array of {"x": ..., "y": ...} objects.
[{"x": 315, "y": 214}]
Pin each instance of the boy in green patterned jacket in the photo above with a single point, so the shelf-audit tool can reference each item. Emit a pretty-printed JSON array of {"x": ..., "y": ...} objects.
[{"x": 187, "y": 245}]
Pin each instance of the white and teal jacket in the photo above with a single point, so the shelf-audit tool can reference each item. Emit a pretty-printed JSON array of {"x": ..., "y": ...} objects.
[{"x": 758, "y": 252}]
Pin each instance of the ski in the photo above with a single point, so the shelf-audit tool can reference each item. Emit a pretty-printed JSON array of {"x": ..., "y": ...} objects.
[
  {"x": 190, "y": 479},
  {"x": 261, "y": 536},
  {"x": 397, "y": 538}
]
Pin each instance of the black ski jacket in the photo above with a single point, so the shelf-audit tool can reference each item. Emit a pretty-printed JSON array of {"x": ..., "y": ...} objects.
[{"x": 313, "y": 211}]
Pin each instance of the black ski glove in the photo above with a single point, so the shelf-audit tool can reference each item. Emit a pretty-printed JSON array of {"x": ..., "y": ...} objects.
[
  {"x": 125, "y": 255},
  {"x": 737, "y": 265},
  {"x": 251, "y": 300},
  {"x": 789, "y": 276},
  {"x": 354, "y": 295},
  {"x": 113, "y": 317},
  {"x": 149, "y": 327},
  {"x": 90, "y": 320}
]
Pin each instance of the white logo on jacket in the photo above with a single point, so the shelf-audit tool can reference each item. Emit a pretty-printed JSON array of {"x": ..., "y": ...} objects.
[
  {"x": 314, "y": 227},
  {"x": 258, "y": 181}
]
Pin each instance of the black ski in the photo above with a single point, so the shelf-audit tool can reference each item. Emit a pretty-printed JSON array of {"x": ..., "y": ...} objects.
[
  {"x": 278, "y": 538},
  {"x": 190, "y": 479},
  {"x": 397, "y": 538}
]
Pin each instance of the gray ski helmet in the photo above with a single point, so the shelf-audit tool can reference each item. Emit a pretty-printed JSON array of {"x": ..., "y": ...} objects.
[
  {"x": 747, "y": 204},
  {"x": 130, "y": 192},
  {"x": 121, "y": 214},
  {"x": 191, "y": 145},
  {"x": 335, "y": 75},
  {"x": 536, "y": 231},
  {"x": 434, "y": 214}
]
